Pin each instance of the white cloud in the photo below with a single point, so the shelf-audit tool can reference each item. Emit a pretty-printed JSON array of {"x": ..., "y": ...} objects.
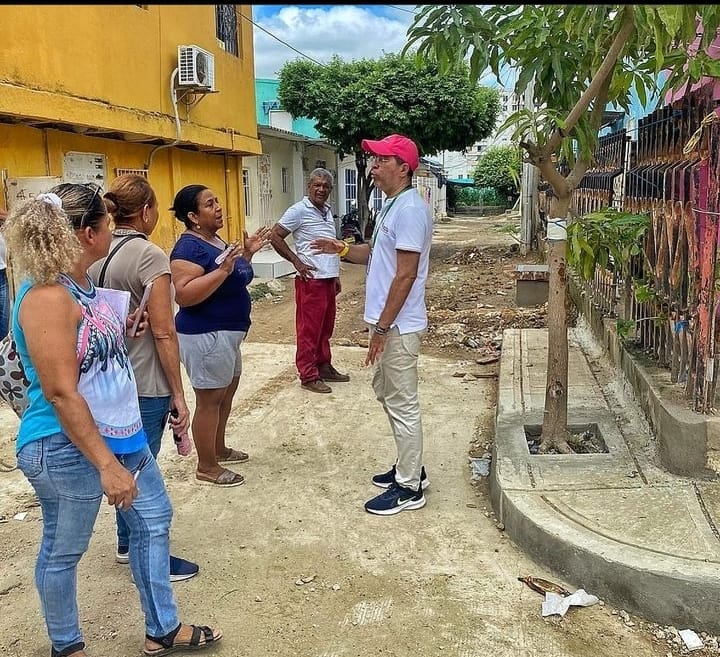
[{"x": 352, "y": 32}]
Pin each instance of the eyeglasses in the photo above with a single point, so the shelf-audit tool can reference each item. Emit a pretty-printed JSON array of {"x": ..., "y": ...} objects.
[
  {"x": 381, "y": 159},
  {"x": 89, "y": 205}
]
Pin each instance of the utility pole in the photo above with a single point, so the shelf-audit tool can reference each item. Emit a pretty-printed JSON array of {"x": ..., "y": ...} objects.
[{"x": 528, "y": 187}]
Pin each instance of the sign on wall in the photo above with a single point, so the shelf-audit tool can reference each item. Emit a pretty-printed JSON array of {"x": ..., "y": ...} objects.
[
  {"x": 77, "y": 168},
  {"x": 20, "y": 190},
  {"x": 84, "y": 168}
]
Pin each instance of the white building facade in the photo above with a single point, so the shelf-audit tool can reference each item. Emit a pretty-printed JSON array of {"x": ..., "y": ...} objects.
[{"x": 459, "y": 165}]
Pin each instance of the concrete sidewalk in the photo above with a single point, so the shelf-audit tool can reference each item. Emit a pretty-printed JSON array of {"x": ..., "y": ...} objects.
[{"x": 616, "y": 524}]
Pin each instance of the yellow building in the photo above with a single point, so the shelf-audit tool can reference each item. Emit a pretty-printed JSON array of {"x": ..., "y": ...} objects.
[{"x": 90, "y": 91}]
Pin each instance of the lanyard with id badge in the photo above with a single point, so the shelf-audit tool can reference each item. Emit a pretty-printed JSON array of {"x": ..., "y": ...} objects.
[{"x": 381, "y": 220}]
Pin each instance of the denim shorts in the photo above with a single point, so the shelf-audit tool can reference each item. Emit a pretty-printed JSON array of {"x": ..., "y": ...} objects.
[{"x": 212, "y": 359}]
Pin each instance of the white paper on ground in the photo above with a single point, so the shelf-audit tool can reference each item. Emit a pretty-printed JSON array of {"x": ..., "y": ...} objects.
[
  {"x": 557, "y": 604},
  {"x": 691, "y": 640}
]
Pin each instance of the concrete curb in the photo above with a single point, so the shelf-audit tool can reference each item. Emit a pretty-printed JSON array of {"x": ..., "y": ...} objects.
[
  {"x": 611, "y": 523},
  {"x": 663, "y": 588},
  {"x": 688, "y": 442}
]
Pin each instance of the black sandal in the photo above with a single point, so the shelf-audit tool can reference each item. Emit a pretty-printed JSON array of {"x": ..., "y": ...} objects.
[
  {"x": 169, "y": 645},
  {"x": 75, "y": 647}
]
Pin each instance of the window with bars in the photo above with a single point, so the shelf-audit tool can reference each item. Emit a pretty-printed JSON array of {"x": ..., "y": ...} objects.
[
  {"x": 246, "y": 192},
  {"x": 226, "y": 27},
  {"x": 350, "y": 188},
  {"x": 139, "y": 172},
  {"x": 377, "y": 200},
  {"x": 285, "y": 180}
]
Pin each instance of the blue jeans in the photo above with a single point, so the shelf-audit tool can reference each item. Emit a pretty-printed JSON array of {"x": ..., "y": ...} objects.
[
  {"x": 69, "y": 489},
  {"x": 154, "y": 413}
]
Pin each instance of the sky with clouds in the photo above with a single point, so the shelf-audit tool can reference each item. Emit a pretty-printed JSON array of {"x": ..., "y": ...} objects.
[{"x": 320, "y": 31}]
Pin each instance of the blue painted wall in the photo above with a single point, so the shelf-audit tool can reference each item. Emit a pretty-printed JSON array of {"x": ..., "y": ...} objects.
[{"x": 266, "y": 99}]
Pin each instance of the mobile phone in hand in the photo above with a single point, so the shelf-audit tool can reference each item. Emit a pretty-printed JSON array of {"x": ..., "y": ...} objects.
[
  {"x": 221, "y": 258},
  {"x": 140, "y": 310}
]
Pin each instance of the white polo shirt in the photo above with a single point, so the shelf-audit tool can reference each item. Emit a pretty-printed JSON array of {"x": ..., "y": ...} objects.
[
  {"x": 307, "y": 223},
  {"x": 404, "y": 223}
]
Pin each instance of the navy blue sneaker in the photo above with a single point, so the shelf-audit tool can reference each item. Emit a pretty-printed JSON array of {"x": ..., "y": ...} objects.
[
  {"x": 182, "y": 569},
  {"x": 387, "y": 479},
  {"x": 122, "y": 555},
  {"x": 395, "y": 499}
]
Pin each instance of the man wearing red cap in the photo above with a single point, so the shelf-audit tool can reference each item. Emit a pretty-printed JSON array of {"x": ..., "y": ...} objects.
[{"x": 397, "y": 256}]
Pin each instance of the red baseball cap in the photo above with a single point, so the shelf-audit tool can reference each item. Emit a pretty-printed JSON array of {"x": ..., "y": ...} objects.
[{"x": 397, "y": 145}]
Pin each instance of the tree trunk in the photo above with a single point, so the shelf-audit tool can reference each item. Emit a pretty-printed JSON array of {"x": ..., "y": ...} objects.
[
  {"x": 363, "y": 189},
  {"x": 554, "y": 429}
]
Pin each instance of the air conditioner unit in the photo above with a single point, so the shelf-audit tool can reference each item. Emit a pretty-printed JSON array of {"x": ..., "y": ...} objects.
[{"x": 196, "y": 69}]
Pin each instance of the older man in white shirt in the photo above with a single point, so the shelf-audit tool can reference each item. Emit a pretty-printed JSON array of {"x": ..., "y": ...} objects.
[{"x": 316, "y": 284}]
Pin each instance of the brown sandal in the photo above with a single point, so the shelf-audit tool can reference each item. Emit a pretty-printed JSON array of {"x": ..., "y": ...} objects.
[
  {"x": 227, "y": 478},
  {"x": 234, "y": 456}
]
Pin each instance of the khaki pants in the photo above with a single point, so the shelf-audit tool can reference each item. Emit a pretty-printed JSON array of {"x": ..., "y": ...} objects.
[{"x": 395, "y": 382}]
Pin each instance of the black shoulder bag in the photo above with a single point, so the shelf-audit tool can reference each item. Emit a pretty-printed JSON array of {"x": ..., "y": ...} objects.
[{"x": 101, "y": 277}]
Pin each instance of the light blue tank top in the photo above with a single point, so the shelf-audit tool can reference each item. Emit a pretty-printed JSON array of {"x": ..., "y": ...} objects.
[{"x": 106, "y": 379}]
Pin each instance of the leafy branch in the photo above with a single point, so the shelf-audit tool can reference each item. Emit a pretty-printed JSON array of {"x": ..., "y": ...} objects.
[{"x": 606, "y": 238}]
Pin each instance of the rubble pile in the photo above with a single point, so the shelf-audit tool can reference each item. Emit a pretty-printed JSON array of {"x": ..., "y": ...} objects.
[{"x": 473, "y": 300}]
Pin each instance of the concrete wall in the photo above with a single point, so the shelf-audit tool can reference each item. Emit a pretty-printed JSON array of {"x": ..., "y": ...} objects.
[
  {"x": 299, "y": 158},
  {"x": 688, "y": 442},
  {"x": 96, "y": 79}
]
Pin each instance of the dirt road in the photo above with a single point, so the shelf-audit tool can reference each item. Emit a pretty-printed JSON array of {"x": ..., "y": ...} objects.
[{"x": 291, "y": 565}]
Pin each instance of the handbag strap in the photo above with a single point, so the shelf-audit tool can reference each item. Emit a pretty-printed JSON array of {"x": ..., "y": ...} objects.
[{"x": 101, "y": 277}]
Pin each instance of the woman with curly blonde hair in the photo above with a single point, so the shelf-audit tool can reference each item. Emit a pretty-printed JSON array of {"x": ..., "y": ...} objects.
[{"x": 81, "y": 436}]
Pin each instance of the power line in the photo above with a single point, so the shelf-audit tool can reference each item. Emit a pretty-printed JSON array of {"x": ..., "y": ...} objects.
[
  {"x": 285, "y": 43},
  {"x": 409, "y": 11}
]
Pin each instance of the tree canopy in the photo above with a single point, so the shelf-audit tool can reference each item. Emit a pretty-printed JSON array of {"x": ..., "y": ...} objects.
[
  {"x": 499, "y": 167},
  {"x": 369, "y": 99},
  {"x": 579, "y": 58},
  {"x": 574, "y": 60}
]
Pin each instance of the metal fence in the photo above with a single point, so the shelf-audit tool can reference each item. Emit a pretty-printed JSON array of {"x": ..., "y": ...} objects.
[{"x": 676, "y": 325}]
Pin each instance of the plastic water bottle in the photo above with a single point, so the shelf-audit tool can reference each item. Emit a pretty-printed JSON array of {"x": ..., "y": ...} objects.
[{"x": 182, "y": 441}]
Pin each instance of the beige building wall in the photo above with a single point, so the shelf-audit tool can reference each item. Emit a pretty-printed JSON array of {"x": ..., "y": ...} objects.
[{"x": 298, "y": 157}]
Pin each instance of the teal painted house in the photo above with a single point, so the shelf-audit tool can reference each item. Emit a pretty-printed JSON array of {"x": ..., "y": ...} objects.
[{"x": 270, "y": 113}]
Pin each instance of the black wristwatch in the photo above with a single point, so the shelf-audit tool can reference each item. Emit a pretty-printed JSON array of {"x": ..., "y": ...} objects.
[{"x": 380, "y": 330}]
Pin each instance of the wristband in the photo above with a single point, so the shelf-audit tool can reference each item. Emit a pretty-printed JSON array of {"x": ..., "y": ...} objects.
[
  {"x": 344, "y": 251},
  {"x": 380, "y": 330}
]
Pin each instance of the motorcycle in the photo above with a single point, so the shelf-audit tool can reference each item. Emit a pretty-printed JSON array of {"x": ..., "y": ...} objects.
[{"x": 350, "y": 230}]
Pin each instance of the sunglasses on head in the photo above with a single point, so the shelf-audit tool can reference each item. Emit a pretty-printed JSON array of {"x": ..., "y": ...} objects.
[{"x": 89, "y": 205}]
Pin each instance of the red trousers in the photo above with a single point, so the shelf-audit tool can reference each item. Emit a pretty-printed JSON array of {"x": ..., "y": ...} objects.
[{"x": 314, "y": 324}]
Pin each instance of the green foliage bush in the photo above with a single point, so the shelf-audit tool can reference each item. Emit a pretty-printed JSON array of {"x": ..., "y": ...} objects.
[
  {"x": 499, "y": 168},
  {"x": 476, "y": 196},
  {"x": 468, "y": 196},
  {"x": 491, "y": 196}
]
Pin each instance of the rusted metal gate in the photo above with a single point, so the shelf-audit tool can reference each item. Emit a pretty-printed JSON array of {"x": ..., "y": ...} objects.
[{"x": 677, "y": 325}]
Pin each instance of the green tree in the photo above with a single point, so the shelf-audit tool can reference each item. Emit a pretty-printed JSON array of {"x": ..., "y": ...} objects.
[
  {"x": 578, "y": 59},
  {"x": 499, "y": 168},
  {"x": 369, "y": 99}
]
